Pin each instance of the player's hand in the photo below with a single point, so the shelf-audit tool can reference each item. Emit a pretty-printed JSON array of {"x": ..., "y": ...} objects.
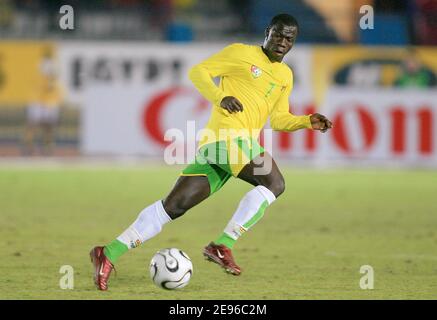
[
  {"x": 231, "y": 104},
  {"x": 320, "y": 122}
]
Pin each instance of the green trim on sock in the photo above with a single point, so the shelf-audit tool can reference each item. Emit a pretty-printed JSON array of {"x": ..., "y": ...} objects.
[
  {"x": 258, "y": 215},
  {"x": 115, "y": 250},
  {"x": 229, "y": 242},
  {"x": 226, "y": 240}
]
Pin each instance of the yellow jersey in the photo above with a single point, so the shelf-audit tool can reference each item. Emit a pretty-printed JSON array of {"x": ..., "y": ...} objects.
[
  {"x": 51, "y": 94},
  {"x": 263, "y": 88}
]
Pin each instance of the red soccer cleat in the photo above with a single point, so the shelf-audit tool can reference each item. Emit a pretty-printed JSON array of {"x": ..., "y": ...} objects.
[
  {"x": 222, "y": 255},
  {"x": 102, "y": 268}
]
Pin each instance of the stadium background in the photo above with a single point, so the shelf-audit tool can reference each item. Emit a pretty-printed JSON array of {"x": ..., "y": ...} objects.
[{"x": 123, "y": 71}]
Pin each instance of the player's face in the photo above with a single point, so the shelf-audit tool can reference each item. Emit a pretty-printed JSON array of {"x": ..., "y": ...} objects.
[{"x": 279, "y": 40}]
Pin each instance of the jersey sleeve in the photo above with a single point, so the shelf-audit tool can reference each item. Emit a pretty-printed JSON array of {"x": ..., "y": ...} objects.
[
  {"x": 218, "y": 65},
  {"x": 281, "y": 119}
]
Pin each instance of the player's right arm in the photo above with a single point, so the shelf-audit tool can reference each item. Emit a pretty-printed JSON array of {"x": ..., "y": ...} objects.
[{"x": 219, "y": 65}]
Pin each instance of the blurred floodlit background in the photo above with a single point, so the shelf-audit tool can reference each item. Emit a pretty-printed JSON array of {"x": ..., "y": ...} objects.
[{"x": 114, "y": 84}]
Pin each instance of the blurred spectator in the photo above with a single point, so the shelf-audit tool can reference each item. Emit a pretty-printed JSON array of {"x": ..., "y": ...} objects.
[
  {"x": 414, "y": 74},
  {"x": 426, "y": 22},
  {"x": 390, "y": 6},
  {"x": 43, "y": 112},
  {"x": 179, "y": 25},
  {"x": 160, "y": 13},
  {"x": 242, "y": 9},
  {"x": 6, "y": 13}
]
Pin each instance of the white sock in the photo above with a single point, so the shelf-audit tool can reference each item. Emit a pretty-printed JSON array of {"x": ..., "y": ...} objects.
[
  {"x": 148, "y": 224},
  {"x": 249, "y": 211}
]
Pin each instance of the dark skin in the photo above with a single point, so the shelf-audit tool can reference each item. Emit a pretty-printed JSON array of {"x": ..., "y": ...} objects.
[{"x": 191, "y": 190}]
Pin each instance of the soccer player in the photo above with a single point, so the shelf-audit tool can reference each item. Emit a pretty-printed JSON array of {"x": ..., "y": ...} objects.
[
  {"x": 254, "y": 84},
  {"x": 43, "y": 112}
]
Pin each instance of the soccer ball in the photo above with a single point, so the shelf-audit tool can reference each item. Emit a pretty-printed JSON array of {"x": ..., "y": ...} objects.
[{"x": 171, "y": 268}]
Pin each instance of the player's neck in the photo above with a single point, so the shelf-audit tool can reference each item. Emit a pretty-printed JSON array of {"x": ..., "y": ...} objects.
[{"x": 266, "y": 52}]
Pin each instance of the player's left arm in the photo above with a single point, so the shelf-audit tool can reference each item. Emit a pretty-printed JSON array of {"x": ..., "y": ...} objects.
[{"x": 281, "y": 119}]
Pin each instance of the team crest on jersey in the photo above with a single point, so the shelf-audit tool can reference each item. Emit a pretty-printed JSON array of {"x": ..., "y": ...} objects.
[{"x": 256, "y": 72}]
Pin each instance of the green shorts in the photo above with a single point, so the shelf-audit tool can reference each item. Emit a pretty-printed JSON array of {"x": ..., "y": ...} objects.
[{"x": 220, "y": 160}]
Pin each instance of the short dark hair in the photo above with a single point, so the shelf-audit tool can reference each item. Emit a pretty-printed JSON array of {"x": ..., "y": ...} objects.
[{"x": 284, "y": 19}]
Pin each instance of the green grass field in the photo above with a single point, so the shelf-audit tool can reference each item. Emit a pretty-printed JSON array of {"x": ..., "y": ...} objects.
[{"x": 310, "y": 244}]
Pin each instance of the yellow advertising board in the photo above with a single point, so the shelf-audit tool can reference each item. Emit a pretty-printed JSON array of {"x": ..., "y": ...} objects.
[
  {"x": 372, "y": 67},
  {"x": 21, "y": 73}
]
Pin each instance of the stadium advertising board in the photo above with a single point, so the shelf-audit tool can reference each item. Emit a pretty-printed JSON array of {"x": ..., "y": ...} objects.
[
  {"x": 382, "y": 100},
  {"x": 132, "y": 95},
  {"x": 381, "y": 126},
  {"x": 382, "y": 114},
  {"x": 21, "y": 71}
]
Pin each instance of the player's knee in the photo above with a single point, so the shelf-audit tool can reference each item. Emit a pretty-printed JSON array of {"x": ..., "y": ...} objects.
[
  {"x": 277, "y": 187},
  {"x": 174, "y": 209}
]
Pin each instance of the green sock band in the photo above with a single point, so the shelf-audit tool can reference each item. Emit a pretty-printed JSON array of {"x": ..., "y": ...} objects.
[
  {"x": 115, "y": 250},
  {"x": 226, "y": 240},
  {"x": 229, "y": 242}
]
